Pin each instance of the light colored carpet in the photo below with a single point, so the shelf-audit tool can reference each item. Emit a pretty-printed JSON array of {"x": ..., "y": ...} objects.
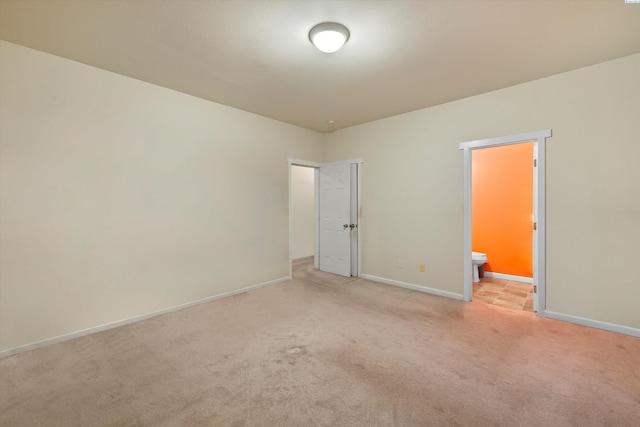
[{"x": 303, "y": 353}]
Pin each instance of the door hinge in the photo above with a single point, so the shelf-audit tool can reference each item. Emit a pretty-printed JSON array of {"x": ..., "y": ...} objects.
[
  {"x": 535, "y": 225},
  {"x": 535, "y": 289},
  {"x": 535, "y": 163}
]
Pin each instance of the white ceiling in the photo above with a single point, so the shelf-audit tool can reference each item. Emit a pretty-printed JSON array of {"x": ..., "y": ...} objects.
[{"x": 255, "y": 55}]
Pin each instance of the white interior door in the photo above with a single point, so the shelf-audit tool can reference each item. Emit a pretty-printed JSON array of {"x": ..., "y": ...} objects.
[{"x": 335, "y": 219}]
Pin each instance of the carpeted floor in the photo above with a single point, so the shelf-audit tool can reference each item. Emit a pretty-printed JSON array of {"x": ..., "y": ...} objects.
[{"x": 321, "y": 350}]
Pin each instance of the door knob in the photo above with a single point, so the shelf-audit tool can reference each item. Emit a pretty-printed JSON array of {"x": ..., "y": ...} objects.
[{"x": 345, "y": 226}]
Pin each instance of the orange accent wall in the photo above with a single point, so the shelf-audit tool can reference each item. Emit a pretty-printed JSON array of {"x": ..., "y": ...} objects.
[{"x": 502, "y": 207}]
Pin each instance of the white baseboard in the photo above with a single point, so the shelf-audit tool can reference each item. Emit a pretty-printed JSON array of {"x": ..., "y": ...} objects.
[
  {"x": 508, "y": 277},
  {"x": 419, "y": 288},
  {"x": 88, "y": 331},
  {"x": 304, "y": 258},
  {"x": 611, "y": 327}
]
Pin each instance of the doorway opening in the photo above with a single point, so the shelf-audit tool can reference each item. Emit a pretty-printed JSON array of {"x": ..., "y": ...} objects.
[
  {"x": 302, "y": 212},
  {"x": 539, "y": 223},
  {"x": 336, "y": 207},
  {"x": 502, "y": 225}
]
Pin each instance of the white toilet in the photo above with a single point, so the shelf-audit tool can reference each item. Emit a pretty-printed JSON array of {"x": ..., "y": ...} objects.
[{"x": 478, "y": 259}]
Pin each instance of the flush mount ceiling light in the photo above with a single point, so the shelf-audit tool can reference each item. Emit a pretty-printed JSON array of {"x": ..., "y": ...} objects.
[{"x": 329, "y": 36}]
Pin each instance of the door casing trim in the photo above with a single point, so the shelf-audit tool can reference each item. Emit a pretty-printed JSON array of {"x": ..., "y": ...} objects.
[{"x": 539, "y": 208}]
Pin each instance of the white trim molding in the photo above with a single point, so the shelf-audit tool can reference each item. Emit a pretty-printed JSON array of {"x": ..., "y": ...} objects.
[
  {"x": 304, "y": 258},
  {"x": 506, "y": 140},
  {"x": 508, "y": 277},
  {"x": 307, "y": 163},
  {"x": 412, "y": 286},
  {"x": 107, "y": 326},
  {"x": 611, "y": 327}
]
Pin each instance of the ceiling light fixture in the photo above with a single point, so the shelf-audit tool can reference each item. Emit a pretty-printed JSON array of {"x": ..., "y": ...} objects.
[{"x": 329, "y": 36}]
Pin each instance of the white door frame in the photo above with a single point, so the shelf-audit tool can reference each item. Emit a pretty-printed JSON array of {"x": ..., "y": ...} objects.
[
  {"x": 539, "y": 198},
  {"x": 355, "y": 270}
]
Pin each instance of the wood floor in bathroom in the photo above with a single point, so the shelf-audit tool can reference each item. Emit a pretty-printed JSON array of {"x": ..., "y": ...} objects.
[{"x": 505, "y": 293}]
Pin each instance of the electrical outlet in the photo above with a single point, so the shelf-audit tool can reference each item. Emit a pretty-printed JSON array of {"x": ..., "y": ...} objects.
[
  {"x": 421, "y": 267},
  {"x": 400, "y": 263}
]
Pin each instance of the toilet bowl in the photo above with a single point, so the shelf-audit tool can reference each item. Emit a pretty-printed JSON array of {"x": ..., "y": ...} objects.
[{"x": 478, "y": 259}]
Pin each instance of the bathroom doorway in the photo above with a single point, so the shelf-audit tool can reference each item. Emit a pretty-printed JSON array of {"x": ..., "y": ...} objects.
[
  {"x": 502, "y": 224},
  {"x": 538, "y": 220}
]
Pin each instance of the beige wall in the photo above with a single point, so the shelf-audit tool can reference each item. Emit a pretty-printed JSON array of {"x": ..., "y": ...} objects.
[
  {"x": 119, "y": 198},
  {"x": 302, "y": 212},
  {"x": 412, "y": 186}
]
